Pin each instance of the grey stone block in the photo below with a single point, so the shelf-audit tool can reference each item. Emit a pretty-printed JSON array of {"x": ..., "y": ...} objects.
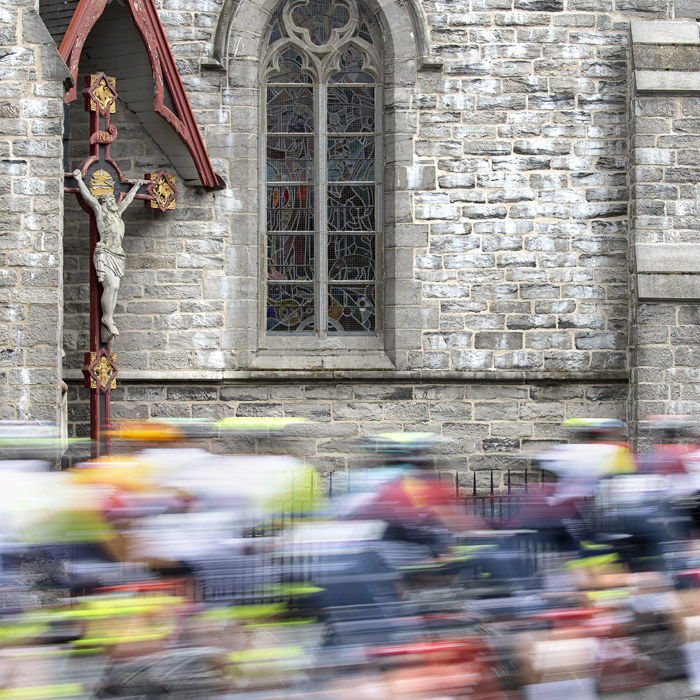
[
  {"x": 211, "y": 411},
  {"x": 560, "y": 392},
  {"x": 320, "y": 412},
  {"x": 658, "y": 356},
  {"x": 139, "y": 341},
  {"x": 8, "y": 278},
  {"x": 496, "y": 410},
  {"x": 548, "y": 341},
  {"x": 285, "y": 392},
  {"x": 687, "y": 8},
  {"x": 664, "y": 32},
  {"x": 667, "y": 81},
  {"x": 567, "y": 361},
  {"x": 608, "y": 360},
  {"x": 686, "y": 315},
  {"x": 667, "y": 258},
  {"x": 259, "y": 410},
  {"x": 446, "y": 392},
  {"x": 214, "y": 359},
  {"x": 652, "y": 335},
  {"x": 668, "y": 286},
  {"x": 524, "y": 359},
  {"x": 194, "y": 340},
  {"x": 529, "y": 322},
  {"x": 170, "y": 410},
  {"x": 601, "y": 341},
  {"x": 521, "y": 164},
  {"x": 162, "y": 360},
  {"x": 471, "y": 360},
  {"x": 445, "y": 341},
  {"x": 354, "y": 411},
  {"x": 34, "y": 31},
  {"x": 339, "y": 392},
  {"x": 486, "y": 340},
  {"x": 450, "y": 411},
  {"x": 405, "y": 411},
  {"x": 428, "y": 360},
  {"x": 663, "y": 58},
  {"x": 550, "y": 411},
  {"x": 452, "y": 244},
  {"x": 611, "y": 392},
  {"x": 145, "y": 393},
  {"x": 383, "y": 392},
  {"x": 653, "y": 314},
  {"x": 191, "y": 393},
  {"x": 53, "y": 66}
]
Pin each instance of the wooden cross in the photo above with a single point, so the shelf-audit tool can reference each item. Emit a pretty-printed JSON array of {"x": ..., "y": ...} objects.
[{"x": 101, "y": 175}]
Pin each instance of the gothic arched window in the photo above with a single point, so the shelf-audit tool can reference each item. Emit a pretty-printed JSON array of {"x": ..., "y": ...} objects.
[{"x": 322, "y": 69}]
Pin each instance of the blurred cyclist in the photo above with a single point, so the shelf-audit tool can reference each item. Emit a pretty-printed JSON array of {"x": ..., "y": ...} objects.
[
  {"x": 601, "y": 450},
  {"x": 671, "y": 444},
  {"x": 559, "y": 511},
  {"x": 416, "y": 505}
]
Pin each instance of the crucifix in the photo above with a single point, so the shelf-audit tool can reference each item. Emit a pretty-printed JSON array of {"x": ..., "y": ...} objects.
[{"x": 104, "y": 193}]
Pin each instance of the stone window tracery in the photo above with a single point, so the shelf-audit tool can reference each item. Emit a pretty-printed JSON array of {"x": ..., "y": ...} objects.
[{"x": 322, "y": 152}]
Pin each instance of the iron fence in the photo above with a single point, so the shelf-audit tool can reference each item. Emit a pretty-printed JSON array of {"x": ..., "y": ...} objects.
[{"x": 497, "y": 502}]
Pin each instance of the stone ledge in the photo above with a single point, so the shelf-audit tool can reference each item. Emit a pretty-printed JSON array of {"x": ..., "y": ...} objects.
[
  {"x": 354, "y": 360},
  {"x": 419, "y": 376},
  {"x": 667, "y": 81},
  {"x": 664, "y": 32},
  {"x": 668, "y": 287},
  {"x": 668, "y": 258}
]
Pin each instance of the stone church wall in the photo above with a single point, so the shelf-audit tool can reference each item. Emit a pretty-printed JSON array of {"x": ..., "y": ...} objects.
[
  {"x": 32, "y": 77},
  {"x": 510, "y": 229},
  {"x": 506, "y": 241}
]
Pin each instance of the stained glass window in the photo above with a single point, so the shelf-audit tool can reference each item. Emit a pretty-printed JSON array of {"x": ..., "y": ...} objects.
[{"x": 321, "y": 150}]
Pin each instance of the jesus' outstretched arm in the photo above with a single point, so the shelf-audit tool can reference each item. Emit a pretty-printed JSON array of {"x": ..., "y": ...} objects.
[
  {"x": 86, "y": 194},
  {"x": 130, "y": 195}
]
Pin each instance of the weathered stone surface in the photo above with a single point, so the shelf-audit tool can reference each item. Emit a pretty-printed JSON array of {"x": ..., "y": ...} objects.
[
  {"x": 31, "y": 185},
  {"x": 505, "y": 226},
  {"x": 664, "y": 32},
  {"x": 667, "y": 81},
  {"x": 667, "y": 287}
]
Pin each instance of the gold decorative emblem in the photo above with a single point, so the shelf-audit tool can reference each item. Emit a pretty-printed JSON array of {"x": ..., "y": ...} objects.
[
  {"x": 103, "y": 93},
  {"x": 163, "y": 191},
  {"x": 104, "y": 370},
  {"x": 101, "y": 183}
]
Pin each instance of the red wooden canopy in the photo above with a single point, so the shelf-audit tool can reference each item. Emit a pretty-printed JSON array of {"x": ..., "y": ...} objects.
[{"x": 169, "y": 97}]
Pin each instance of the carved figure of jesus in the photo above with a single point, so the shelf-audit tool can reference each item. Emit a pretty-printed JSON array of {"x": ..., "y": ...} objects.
[{"x": 109, "y": 255}]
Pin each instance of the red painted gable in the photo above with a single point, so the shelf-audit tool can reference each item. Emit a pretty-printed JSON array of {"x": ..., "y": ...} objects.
[{"x": 165, "y": 74}]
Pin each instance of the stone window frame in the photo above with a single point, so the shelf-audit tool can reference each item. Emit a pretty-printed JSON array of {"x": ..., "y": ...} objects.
[
  {"x": 402, "y": 304},
  {"x": 321, "y": 62}
]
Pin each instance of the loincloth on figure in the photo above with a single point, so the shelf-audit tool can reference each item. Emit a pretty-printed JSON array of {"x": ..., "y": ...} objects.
[{"x": 107, "y": 259}]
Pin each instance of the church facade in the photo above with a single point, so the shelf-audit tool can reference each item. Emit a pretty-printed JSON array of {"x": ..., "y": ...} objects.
[{"x": 470, "y": 217}]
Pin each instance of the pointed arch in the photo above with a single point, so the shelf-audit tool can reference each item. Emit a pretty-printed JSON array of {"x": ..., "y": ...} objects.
[{"x": 426, "y": 59}]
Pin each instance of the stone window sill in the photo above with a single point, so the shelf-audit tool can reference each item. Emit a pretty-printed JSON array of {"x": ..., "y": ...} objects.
[{"x": 309, "y": 361}]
